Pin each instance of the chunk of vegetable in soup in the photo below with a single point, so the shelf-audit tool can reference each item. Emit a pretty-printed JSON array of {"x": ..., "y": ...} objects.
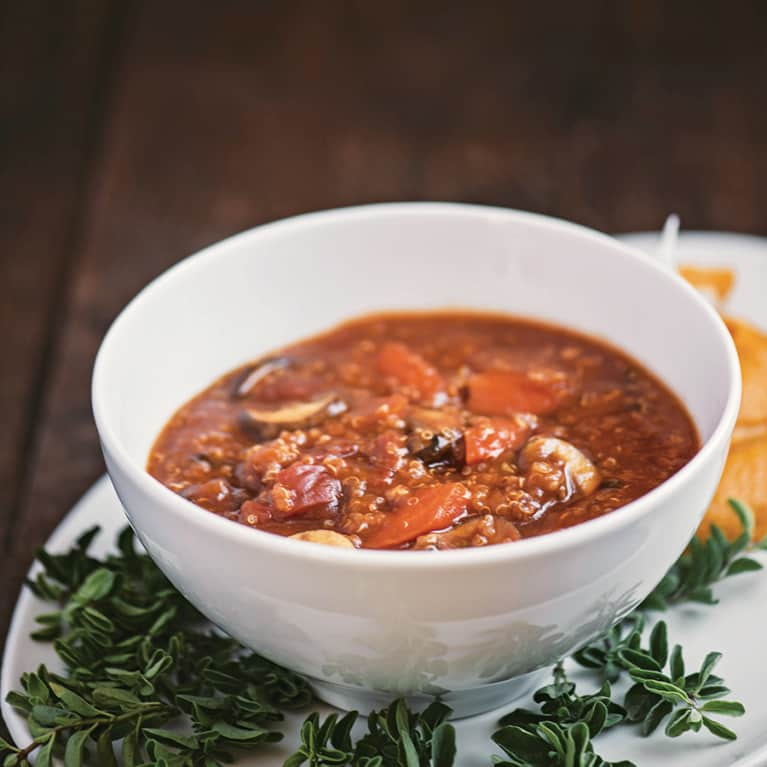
[{"x": 426, "y": 431}]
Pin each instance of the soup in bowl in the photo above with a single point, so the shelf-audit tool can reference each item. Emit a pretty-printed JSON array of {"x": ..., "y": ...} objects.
[
  {"x": 506, "y": 427},
  {"x": 426, "y": 431}
]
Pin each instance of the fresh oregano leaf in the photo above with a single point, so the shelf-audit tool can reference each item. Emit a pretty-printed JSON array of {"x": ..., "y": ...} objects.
[
  {"x": 75, "y": 748},
  {"x": 718, "y": 729},
  {"x": 443, "y": 747}
]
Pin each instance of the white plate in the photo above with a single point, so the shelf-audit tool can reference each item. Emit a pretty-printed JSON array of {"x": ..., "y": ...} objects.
[{"x": 734, "y": 627}]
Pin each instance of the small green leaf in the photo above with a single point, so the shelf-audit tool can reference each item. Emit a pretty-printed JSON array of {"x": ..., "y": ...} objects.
[
  {"x": 231, "y": 732},
  {"x": 702, "y": 594},
  {"x": 74, "y": 702},
  {"x": 75, "y": 748},
  {"x": 668, "y": 691},
  {"x": 640, "y": 660},
  {"x": 715, "y": 728},
  {"x": 725, "y": 707},
  {"x": 44, "y": 756},
  {"x": 47, "y": 634},
  {"x": 659, "y": 643},
  {"x": 409, "y": 750},
  {"x": 96, "y": 586},
  {"x": 37, "y": 688},
  {"x": 676, "y": 663},
  {"x": 745, "y": 515},
  {"x": 638, "y": 702},
  {"x": 131, "y": 755},
  {"x": 173, "y": 738},
  {"x": 84, "y": 541},
  {"x": 743, "y": 565},
  {"x": 163, "y": 620},
  {"x": 115, "y": 697},
  {"x": 341, "y": 736},
  {"x": 679, "y": 723},
  {"x": 18, "y": 701},
  {"x": 104, "y": 750},
  {"x": 640, "y": 675},
  {"x": 50, "y": 716},
  {"x": 707, "y": 668},
  {"x": 443, "y": 748},
  {"x": 521, "y": 743},
  {"x": 97, "y": 620},
  {"x": 655, "y": 716},
  {"x": 711, "y": 691},
  {"x": 737, "y": 546}
]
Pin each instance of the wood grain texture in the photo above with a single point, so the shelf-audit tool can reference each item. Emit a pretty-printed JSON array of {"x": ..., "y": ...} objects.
[
  {"x": 53, "y": 63},
  {"x": 158, "y": 130}
]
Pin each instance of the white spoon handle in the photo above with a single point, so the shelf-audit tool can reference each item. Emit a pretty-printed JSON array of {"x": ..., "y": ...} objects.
[{"x": 667, "y": 245}]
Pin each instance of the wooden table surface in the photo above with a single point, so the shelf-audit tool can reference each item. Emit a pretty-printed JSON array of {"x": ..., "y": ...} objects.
[{"x": 133, "y": 133}]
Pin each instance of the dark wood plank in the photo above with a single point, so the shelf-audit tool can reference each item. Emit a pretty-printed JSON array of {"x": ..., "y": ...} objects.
[
  {"x": 611, "y": 114},
  {"x": 52, "y": 85}
]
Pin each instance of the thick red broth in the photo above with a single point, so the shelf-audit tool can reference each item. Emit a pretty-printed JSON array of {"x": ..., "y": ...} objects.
[{"x": 426, "y": 431}]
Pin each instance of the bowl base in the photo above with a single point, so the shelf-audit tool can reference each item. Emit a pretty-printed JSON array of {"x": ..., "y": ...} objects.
[{"x": 464, "y": 703}]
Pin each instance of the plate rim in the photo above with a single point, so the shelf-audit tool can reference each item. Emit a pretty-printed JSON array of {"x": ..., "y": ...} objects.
[{"x": 61, "y": 535}]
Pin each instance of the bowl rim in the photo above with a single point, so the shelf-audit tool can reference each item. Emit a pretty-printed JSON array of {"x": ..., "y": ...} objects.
[{"x": 543, "y": 545}]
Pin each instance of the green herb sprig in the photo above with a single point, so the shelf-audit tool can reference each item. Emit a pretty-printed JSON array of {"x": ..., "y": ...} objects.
[
  {"x": 143, "y": 668},
  {"x": 706, "y": 562},
  {"x": 661, "y": 690},
  {"x": 604, "y": 655},
  {"x": 550, "y": 745},
  {"x": 561, "y": 732},
  {"x": 690, "y": 579},
  {"x": 396, "y": 737},
  {"x": 560, "y": 704},
  {"x": 687, "y": 700},
  {"x": 140, "y": 659}
]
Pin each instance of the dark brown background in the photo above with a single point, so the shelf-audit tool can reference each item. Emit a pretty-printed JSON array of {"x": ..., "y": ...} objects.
[{"x": 132, "y": 134}]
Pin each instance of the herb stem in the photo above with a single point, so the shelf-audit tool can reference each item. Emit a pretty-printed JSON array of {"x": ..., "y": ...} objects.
[{"x": 95, "y": 721}]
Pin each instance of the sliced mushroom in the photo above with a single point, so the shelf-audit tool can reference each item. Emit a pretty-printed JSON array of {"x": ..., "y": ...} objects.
[
  {"x": 255, "y": 375},
  {"x": 325, "y": 537},
  {"x": 444, "y": 448},
  {"x": 579, "y": 473},
  {"x": 436, "y": 437},
  {"x": 267, "y": 423}
]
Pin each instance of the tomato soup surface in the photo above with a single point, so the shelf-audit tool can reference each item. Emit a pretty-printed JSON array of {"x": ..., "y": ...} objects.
[{"x": 432, "y": 431}]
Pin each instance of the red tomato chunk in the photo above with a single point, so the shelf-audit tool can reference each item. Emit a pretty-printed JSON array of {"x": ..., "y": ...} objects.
[
  {"x": 503, "y": 392},
  {"x": 410, "y": 370},
  {"x": 303, "y": 488},
  {"x": 488, "y": 438}
]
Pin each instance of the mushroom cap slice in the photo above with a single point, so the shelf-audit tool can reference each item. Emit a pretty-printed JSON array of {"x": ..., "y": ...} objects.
[
  {"x": 293, "y": 415},
  {"x": 325, "y": 537},
  {"x": 579, "y": 469},
  {"x": 255, "y": 375}
]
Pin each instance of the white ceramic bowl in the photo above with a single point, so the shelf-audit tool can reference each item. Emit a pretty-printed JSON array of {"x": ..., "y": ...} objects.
[{"x": 367, "y": 625}]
